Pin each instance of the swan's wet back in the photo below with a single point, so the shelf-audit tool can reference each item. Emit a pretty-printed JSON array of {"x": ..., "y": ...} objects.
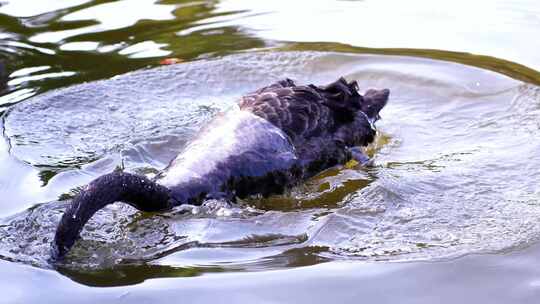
[{"x": 456, "y": 167}]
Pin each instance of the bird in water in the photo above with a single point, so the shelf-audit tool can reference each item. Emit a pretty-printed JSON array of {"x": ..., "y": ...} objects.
[{"x": 273, "y": 139}]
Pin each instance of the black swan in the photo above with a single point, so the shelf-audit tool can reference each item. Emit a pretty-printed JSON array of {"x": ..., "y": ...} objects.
[{"x": 271, "y": 140}]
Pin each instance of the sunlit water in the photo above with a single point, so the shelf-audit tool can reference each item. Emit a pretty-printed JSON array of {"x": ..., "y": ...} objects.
[
  {"x": 456, "y": 161},
  {"x": 456, "y": 165}
]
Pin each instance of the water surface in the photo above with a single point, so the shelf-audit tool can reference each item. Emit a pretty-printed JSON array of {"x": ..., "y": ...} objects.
[{"x": 453, "y": 196}]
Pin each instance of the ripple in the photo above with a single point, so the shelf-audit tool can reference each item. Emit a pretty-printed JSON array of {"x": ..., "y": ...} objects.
[
  {"x": 105, "y": 18},
  {"x": 456, "y": 165}
]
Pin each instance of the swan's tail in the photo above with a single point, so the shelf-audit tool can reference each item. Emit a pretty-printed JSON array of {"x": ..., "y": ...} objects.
[{"x": 135, "y": 190}]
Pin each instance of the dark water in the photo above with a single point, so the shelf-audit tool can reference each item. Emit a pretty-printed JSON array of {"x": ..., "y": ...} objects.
[{"x": 450, "y": 212}]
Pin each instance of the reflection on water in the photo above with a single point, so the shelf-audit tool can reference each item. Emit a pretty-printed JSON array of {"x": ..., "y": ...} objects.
[
  {"x": 29, "y": 8},
  {"x": 84, "y": 40},
  {"x": 499, "y": 28},
  {"x": 449, "y": 178}
]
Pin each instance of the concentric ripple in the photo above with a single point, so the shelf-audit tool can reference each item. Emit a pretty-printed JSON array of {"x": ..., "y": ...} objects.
[{"x": 457, "y": 164}]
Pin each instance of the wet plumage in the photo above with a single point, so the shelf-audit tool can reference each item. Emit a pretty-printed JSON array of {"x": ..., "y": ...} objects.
[
  {"x": 275, "y": 138},
  {"x": 304, "y": 111}
]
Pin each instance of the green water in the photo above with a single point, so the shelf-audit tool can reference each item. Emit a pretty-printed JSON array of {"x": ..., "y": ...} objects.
[{"x": 450, "y": 213}]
